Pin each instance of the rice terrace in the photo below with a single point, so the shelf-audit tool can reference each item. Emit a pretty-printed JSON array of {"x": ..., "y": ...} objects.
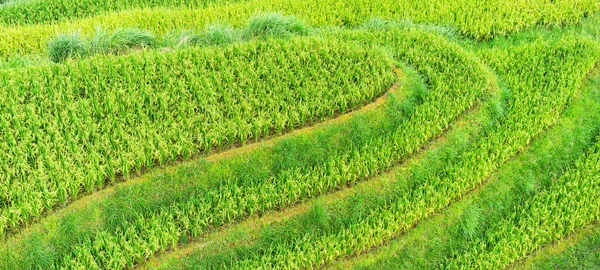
[{"x": 299, "y": 134}]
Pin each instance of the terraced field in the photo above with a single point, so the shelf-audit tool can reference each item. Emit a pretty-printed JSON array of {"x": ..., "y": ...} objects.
[{"x": 288, "y": 134}]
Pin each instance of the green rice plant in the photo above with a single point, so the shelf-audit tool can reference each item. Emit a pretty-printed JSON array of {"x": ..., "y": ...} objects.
[
  {"x": 231, "y": 198},
  {"x": 470, "y": 18},
  {"x": 337, "y": 211},
  {"x": 274, "y": 25},
  {"x": 163, "y": 190},
  {"x": 569, "y": 204},
  {"x": 547, "y": 159},
  {"x": 67, "y": 46},
  {"x": 444, "y": 236},
  {"x": 109, "y": 116},
  {"x": 530, "y": 113}
]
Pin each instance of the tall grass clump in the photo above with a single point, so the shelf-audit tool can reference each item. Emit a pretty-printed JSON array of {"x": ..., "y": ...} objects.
[
  {"x": 73, "y": 45},
  {"x": 124, "y": 39},
  {"x": 66, "y": 46},
  {"x": 213, "y": 35},
  {"x": 179, "y": 39},
  {"x": 216, "y": 35},
  {"x": 100, "y": 41},
  {"x": 275, "y": 25}
]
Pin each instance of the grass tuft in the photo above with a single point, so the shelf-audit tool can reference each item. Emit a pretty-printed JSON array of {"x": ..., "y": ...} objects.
[
  {"x": 124, "y": 39},
  {"x": 100, "y": 41},
  {"x": 275, "y": 25},
  {"x": 179, "y": 39},
  {"x": 216, "y": 35},
  {"x": 67, "y": 46}
]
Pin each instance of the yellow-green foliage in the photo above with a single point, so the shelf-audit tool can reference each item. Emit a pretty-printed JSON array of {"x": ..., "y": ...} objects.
[
  {"x": 570, "y": 204},
  {"x": 233, "y": 200},
  {"x": 44, "y": 11},
  {"x": 73, "y": 127},
  {"x": 67, "y": 128},
  {"x": 535, "y": 104},
  {"x": 471, "y": 17}
]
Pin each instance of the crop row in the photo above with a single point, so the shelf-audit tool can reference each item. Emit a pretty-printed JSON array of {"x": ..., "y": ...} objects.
[
  {"x": 566, "y": 204},
  {"x": 156, "y": 190},
  {"x": 582, "y": 251},
  {"x": 39, "y": 11},
  {"x": 464, "y": 223},
  {"x": 471, "y": 18},
  {"x": 535, "y": 103},
  {"x": 235, "y": 198},
  {"x": 330, "y": 212},
  {"x": 435, "y": 244},
  {"x": 68, "y": 128},
  {"x": 569, "y": 204},
  {"x": 114, "y": 207}
]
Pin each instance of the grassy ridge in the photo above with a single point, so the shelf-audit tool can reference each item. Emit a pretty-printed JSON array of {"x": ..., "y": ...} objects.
[
  {"x": 123, "y": 40},
  {"x": 585, "y": 254},
  {"x": 71, "y": 127},
  {"x": 469, "y": 17}
]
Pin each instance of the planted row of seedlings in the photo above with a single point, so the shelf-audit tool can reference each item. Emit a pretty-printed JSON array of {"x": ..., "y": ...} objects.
[
  {"x": 469, "y": 17},
  {"x": 68, "y": 128},
  {"x": 236, "y": 194},
  {"x": 543, "y": 78}
]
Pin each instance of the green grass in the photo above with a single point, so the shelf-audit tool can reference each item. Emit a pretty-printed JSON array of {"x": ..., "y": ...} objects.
[
  {"x": 584, "y": 254},
  {"x": 67, "y": 46},
  {"x": 274, "y": 25},
  {"x": 126, "y": 40}
]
